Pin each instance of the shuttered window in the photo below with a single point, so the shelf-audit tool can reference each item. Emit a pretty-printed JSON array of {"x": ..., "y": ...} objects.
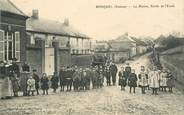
[
  {"x": 17, "y": 46},
  {"x": 1, "y": 45}
]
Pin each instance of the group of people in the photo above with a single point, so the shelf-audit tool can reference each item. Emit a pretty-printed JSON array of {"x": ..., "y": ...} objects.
[
  {"x": 81, "y": 78},
  {"x": 12, "y": 81},
  {"x": 15, "y": 79},
  {"x": 157, "y": 80}
]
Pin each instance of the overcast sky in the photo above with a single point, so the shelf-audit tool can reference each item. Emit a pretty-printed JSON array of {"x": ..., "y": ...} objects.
[{"x": 103, "y": 24}]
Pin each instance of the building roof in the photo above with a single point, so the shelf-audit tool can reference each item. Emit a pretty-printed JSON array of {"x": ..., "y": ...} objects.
[
  {"x": 52, "y": 27},
  {"x": 8, "y": 6},
  {"x": 139, "y": 42},
  {"x": 123, "y": 38}
]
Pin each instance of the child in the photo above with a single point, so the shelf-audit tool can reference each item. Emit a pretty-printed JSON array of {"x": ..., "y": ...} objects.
[
  {"x": 45, "y": 83},
  {"x": 122, "y": 79},
  {"x": 143, "y": 80},
  {"x": 132, "y": 81},
  {"x": 31, "y": 85},
  {"x": 54, "y": 81}
]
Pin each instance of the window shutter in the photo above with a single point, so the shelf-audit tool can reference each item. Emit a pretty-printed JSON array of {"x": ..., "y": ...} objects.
[
  {"x": 17, "y": 46},
  {"x": 2, "y": 45}
]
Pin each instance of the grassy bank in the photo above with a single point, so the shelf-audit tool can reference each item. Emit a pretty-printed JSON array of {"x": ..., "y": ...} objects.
[{"x": 175, "y": 62}]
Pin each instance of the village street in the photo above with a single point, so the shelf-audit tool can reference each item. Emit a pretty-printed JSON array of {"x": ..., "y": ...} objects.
[{"x": 105, "y": 101}]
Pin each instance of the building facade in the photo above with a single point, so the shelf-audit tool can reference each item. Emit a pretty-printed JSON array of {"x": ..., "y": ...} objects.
[
  {"x": 12, "y": 32},
  {"x": 122, "y": 48},
  {"x": 54, "y": 44}
]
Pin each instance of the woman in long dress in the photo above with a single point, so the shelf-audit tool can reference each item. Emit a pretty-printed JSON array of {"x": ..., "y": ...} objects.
[{"x": 5, "y": 83}]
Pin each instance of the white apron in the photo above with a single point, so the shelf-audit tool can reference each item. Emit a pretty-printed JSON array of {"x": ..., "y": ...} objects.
[
  {"x": 5, "y": 87},
  {"x": 163, "y": 79},
  {"x": 154, "y": 79}
]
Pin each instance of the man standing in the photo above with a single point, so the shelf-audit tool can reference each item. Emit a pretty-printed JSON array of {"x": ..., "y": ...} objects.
[
  {"x": 108, "y": 76},
  {"x": 154, "y": 79},
  {"x": 37, "y": 81},
  {"x": 62, "y": 75},
  {"x": 113, "y": 70},
  {"x": 143, "y": 79}
]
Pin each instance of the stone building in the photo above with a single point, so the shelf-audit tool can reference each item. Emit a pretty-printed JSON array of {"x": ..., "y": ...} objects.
[
  {"x": 122, "y": 48},
  {"x": 12, "y": 32},
  {"x": 141, "y": 46},
  {"x": 51, "y": 44}
]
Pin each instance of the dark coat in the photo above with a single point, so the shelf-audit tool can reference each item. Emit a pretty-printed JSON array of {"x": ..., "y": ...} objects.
[
  {"x": 94, "y": 77},
  {"x": 62, "y": 75},
  {"x": 44, "y": 83},
  {"x": 54, "y": 82},
  {"x": 122, "y": 79},
  {"x": 113, "y": 70},
  {"x": 2, "y": 71},
  {"x": 37, "y": 80},
  {"x": 132, "y": 80},
  {"x": 15, "y": 68},
  {"x": 171, "y": 81}
]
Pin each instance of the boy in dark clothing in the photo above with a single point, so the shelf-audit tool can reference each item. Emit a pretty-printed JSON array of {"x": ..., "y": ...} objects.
[
  {"x": 54, "y": 82},
  {"x": 132, "y": 81},
  {"x": 45, "y": 84}
]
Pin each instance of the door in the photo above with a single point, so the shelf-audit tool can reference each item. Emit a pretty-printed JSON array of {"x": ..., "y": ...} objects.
[{"x": 49, "y": 61}]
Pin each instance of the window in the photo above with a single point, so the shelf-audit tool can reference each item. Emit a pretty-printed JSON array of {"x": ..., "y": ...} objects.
[
  {"x": 9, "y": 45},
  {"x": 32, "y": 40},
  {"x": 1, "y": 45},
  {"x": 17, "y": 45}
]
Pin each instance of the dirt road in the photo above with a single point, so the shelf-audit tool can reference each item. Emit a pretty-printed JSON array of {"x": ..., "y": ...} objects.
[{"x": 106, "y": 101}]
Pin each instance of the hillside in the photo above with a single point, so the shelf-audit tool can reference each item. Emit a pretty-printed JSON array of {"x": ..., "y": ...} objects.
[{"x": 174, "y": 60}]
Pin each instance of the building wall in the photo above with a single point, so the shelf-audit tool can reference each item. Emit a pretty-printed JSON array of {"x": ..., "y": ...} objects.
[
  {"x": 119, "y": 56},
  {"x": 34, "y": 59},
  {"x": 141, "y": 49},
  {"x": 81, "y": 60},
  {"x": 124, "y": 46},
  {"x": 64, "y": 58},
  {"x": 15, "y": 23}
]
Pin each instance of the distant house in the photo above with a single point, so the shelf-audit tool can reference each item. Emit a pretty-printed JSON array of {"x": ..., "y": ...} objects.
[
  {"x": 141, "y": 46},
  {"x": 12, "y": 32},
  {"x": 101, "y": 50},
  {"x": 51, "y": 44},
  {"x": 122, "y": 48}
]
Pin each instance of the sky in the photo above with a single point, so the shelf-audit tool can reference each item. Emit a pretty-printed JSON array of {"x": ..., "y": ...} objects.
[{"x": 109, "y": 23}]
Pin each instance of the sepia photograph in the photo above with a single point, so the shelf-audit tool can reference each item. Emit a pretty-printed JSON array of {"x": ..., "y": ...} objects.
[{"x": 91, "y": 57}]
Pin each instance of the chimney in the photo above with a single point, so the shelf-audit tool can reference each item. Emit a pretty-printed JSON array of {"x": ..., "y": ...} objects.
[
  {"x": 35, "y": 14},
  {"x": 66, "y": 22}
]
